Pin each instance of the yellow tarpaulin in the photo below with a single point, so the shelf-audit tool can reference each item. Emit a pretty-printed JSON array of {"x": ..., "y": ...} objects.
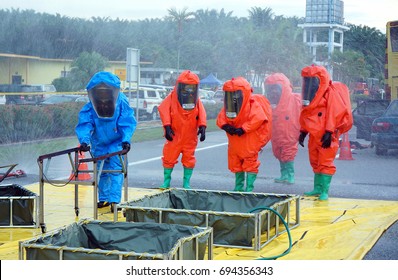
[{"x": 337, "y": 229}]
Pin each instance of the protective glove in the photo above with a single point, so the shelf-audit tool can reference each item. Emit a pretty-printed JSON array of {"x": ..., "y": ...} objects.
[
  {"x": 126, "y": 146},
  {"x": 301, "y": 138},
  {"x": 169, "y": 132},
  {"x": 326, "y": 139},
  {"x": 229, "y": 129},
  {"x": 202, "y": 132},
  {"x": 239, "y": 131},
  {"x": 84, "y": 148}
]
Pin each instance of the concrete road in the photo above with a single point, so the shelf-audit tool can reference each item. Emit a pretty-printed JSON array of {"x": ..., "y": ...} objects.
[{"x": 366, "y": 177}]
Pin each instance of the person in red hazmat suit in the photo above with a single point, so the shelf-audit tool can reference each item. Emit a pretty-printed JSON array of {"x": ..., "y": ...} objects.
[
  {"x": 184, "y": 118},
  {"x": 286, "y": 108},
  {"x": 246, "y": 118},
  {"x": 325, "y": 114}
]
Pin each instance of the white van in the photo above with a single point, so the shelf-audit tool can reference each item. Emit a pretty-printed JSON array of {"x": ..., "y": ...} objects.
[{"x": 148, "y": 100}]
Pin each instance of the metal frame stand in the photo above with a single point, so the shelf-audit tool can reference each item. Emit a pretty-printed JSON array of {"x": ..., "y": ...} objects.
[{"x": 75, "y": 162}]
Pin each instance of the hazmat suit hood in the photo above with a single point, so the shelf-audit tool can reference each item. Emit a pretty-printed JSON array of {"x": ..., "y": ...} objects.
[
  {"x": 186, "y": 90},
  {"x": 322, "y": 75},
  {"x": 243, "y": 90},
  {"x": 279, "y": 80},
  {"x": 103, "y": 92}
]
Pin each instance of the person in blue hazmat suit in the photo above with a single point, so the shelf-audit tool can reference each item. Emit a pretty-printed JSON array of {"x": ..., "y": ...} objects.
[{"x": 106, "y": 124}]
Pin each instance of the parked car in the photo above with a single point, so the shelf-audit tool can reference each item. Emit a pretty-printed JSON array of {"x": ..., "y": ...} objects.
[
  {"x": 163, "y": 90},
  {"x": 149, "y": 100},
  {"x": 364, "y": 115},
  {"x": 57, "y": 99},
  {"x": 205, "y": 97},
  {"x": 30, "y": 94},
  {"x": 219, "y": 96},
  {"x": 385, "y": 130}
]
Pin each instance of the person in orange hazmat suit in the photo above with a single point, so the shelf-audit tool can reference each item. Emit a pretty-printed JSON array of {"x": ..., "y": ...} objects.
[
  {"x": 325, "y": 114},
  {"x": 246, "y": 118},
  {"x": 286, "y": 108},
  {"x": 184, "y": 118}
]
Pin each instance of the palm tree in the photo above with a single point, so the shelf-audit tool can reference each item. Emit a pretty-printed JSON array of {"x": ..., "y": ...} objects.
[
  {"x": 180, "y": 17},
  {"x": 261, "y": 18},
  {"x": 371, "y": 43}
]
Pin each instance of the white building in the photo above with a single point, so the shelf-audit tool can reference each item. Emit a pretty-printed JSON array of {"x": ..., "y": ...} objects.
[{"x": 324, "y": 29}]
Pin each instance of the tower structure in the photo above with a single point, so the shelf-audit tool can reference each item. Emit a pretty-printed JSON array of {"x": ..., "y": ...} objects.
[{"x": 324, "y": 29}]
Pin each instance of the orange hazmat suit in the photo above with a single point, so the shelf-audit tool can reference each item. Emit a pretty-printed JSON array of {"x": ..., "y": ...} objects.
[
  {"x": 256, "y": 123},
  {"x": 285, "y": 119},
  {"x": 325, "y": 113},
  {"x": 184, "y": 124}
]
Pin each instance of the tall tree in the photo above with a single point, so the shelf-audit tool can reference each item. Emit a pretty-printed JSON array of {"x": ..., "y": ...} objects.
[
  {"x": 371, "y": 43},
  {"x": 179, "y": 17},
  {"x": 349, "y": 67},
  {"x": 83, "y": 68},
  {"x": 260, "y": 17},
  {"x": 205, "y": 40}
]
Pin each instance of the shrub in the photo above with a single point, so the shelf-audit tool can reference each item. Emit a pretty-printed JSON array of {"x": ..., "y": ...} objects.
[
  {"x": 212, "y": 110},
  {"x": 32, "y": 123},
  {"x": 29, "y": 123}
]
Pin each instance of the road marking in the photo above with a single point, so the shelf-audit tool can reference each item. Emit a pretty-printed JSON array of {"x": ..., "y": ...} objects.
[
  {"x": 158, "y": 158},
  {"x": 210, "y": 147}
]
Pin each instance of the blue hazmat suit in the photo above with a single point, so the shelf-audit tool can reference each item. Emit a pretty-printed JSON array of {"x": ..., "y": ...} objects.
[{"x": 106, "y": 135}]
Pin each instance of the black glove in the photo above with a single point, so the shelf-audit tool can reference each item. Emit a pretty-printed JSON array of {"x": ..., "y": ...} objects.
[
  {"x": 84, "y": 148},
  {"x": 169, "y": 133},
  {"x": 202, "y": 132},
  {"x": 239, "y": 131},
  {"x": 326, "y": 139},
  {"x": 126, "y": 146},
  {"x": 301, "y": 138},
  {"x": 229, "y": 129}
]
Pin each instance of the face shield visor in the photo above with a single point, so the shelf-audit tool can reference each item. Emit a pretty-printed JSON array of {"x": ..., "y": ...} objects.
[
  {"x": 309, "y": 88},
  {"x": 233, "y": 101},
  {"x": 103, "y": 97},
  {"x": 274, "y": 93},
  {"x": 187, "y": 95}
]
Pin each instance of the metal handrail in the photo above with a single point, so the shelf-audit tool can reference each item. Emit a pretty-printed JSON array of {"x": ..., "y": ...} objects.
[
  {"x": 75, "y": 162},
  {"x": 59, "y": 153}
]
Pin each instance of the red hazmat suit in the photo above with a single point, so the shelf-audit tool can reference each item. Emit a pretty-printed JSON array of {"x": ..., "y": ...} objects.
[
  {"x": 285, "y": 120},
  {"x": 328, "y": 111},
  {"x": 255, "y": 119},
  {"x": 184, "y": 123}
]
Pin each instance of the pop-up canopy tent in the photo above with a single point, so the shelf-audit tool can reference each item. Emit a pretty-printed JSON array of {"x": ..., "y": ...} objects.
[{"x": 210, "y": 81}]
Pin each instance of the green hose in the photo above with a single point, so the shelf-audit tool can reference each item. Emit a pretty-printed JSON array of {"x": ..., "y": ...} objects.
[{"x": 287, "y": 230}]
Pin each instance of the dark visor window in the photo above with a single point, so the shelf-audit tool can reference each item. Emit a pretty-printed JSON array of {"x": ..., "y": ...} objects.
[{"x": 233, "y": 103}]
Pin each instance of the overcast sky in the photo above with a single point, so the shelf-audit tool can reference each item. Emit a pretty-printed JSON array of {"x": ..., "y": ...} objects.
[{"x": 372, "y": 13}]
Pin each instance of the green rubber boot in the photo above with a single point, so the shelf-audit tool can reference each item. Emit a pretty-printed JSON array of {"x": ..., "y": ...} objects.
[
  {"x": 187, "y": 177},
  {"x": 317, "y": 186},
  {"x": 251, "y": 177},
  {"x": 239, "y": 181},
  {"x": 167, "y": 178},
  {"x": 284, "y": 175},
  {"x": 325, "y": 179},
  {"x": 290, "y": 172}
]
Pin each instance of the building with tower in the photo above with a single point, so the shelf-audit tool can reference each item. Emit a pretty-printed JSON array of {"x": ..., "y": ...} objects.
[{"x": 324, "y": 29}]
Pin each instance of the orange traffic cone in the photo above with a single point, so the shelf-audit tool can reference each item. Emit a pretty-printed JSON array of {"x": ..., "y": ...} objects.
[
  {"x": 82, "y": 176},
  {"x": 345, "y": 148}
]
